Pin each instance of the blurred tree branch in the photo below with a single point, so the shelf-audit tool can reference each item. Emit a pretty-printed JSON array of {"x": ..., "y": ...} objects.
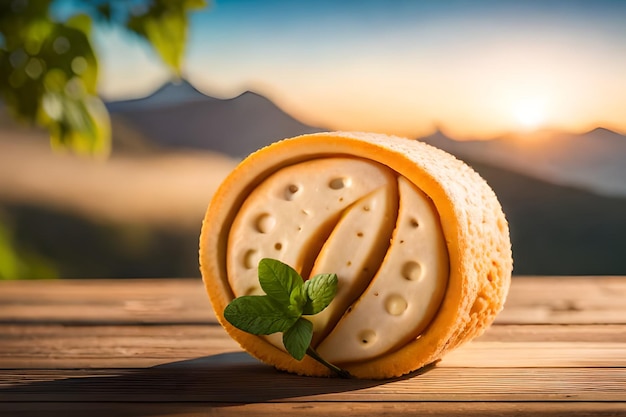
[
  {"x": 49, "y": 70},
  {"x": 49, "y": 76}
]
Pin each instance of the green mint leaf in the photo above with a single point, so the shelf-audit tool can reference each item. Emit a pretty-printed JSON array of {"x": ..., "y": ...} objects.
[
  {"x": 298, "y": 338},
  {"x": 288, "y": 297},
  {"x": 259, "y": 314},
  {"x": 278, "y": 280},
  {"x": 320, "y": 291},
  {"x": 297, "y": 300}
]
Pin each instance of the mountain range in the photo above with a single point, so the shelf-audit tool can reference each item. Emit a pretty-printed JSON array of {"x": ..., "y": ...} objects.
[
  {"x": 178, "y": 115},
  {"x": 594, "y": 160},
  {"x": 140, "y": 212},
  {"x": 564, "y": 194}
]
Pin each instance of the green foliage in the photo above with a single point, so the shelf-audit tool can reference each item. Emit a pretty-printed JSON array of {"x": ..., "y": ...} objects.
[
  {"x": 279, "y": 280},
  {"x": 298, "y": 338},
  {"x": 259, "y": 314},
  {"x": 320, "y": 291},
  {"x": 49, "y": 70},
  {"x": 19, "y": 263},
  {"x": 287, "y": 298},
  {"x": 164, "y": 25}
]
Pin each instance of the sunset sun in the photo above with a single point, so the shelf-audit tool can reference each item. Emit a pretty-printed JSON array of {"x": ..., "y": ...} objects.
[{"x": 529, "y": 113}]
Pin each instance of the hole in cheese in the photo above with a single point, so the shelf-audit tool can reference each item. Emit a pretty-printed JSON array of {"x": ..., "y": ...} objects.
[
  {"x": 412, "y": 270},
  {"x": 265, "y": 223},
  {"x": 367, "y": 337},
  {"x": 339, "y": 183},
  {"x": 395, "y": 304},
  {"x": 291, "y": 191},
  {"x": 250, "y": 259}
]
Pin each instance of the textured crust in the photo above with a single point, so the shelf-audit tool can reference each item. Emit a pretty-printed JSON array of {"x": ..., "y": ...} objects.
[{"x": 472, "y": 220}]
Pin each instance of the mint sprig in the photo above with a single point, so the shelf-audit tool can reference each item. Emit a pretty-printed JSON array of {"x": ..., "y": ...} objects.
[{"x": 288, "y": 297}]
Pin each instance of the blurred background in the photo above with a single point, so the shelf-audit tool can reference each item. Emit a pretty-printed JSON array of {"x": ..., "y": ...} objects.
[{"x": 118, "y": 119}]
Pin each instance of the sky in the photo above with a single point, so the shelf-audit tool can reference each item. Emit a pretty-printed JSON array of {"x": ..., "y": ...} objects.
[{"x": 474, "y": 69}]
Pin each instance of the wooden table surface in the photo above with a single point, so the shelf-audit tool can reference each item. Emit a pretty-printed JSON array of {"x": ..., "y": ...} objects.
[{"x": 153, "y": 347}]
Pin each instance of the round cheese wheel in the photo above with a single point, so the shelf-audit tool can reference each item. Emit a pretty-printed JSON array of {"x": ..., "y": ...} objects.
[{"x": 418, "y": 241}]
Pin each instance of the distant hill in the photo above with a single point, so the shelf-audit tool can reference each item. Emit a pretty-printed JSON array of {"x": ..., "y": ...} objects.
[
  {"x": 180, "y": 116},
  {"x": 594, "y": 160},
  {"x": 548, "y": 186},
  {"x": 153, "y": 183},
  {"x": 169, "y": 94},
  {"x": 564, "y": 196},
  {"x": 558, "y": 230}
]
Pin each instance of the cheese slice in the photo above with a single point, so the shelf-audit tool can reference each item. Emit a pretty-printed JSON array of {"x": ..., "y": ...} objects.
[
  {"x": 354, "y": 251},
  {"x": 405, "y": 293},
  {"x": 290, "y": 215}
]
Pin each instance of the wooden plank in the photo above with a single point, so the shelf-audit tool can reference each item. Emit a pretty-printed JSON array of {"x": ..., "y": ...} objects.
[
  {"x": 105, "y": 301},
  {"x": 57, "y": 346},
  {"x": 236, "y": 379},
  {"x": 555, "y": 333},
  {"x": 33, "y": 333},
  {"x": 485, "y": 355},
  {"x": 538, "y": 354},
  {"x": 497, "y": 332},
  {"x": 141, "y": 347},
  {"x": 324, "y": 409},
  {"x": 567, "y": 300},
  {"x": 108, "y": 346},
  {"x": 532, "y": 300}
]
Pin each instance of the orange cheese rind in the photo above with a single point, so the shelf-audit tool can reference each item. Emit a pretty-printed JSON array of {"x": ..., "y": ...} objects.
[{"x": 473, "y": 225}]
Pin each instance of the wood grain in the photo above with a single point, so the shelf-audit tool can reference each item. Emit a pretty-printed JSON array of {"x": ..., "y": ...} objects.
[
  {"x": 153, "y": 347},
  {"x": 104, "y": 301},
  {"x": 67, "y": 347},
  {"x": 325, "y": 409},
  {"x": 531, "y": 300},
  {"x": 240, "y": 379},
  {"x": 565, "y": 300}
]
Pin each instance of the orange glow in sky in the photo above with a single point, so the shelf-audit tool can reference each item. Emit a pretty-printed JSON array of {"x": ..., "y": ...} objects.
[
  {"x": 476, "y": 69},
  {"x": 530, "y": 113}
]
